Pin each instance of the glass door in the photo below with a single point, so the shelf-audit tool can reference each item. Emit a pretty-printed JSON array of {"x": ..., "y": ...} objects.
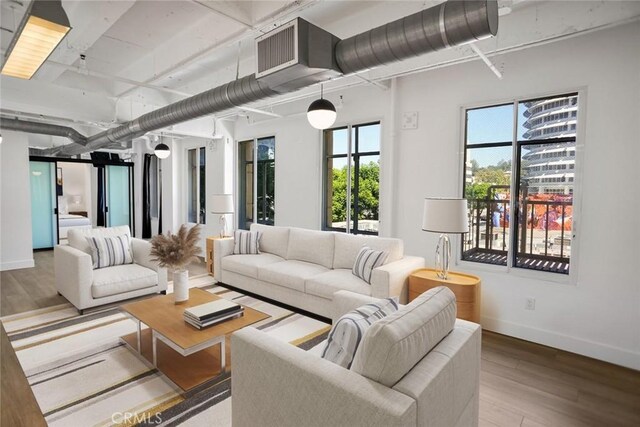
[
  {"x": 118, "y": 195},
  {"x": 44, "y": 218}
]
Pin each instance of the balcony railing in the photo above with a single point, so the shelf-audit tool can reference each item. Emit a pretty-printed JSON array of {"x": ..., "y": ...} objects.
[{"x": 544, "y": 234}]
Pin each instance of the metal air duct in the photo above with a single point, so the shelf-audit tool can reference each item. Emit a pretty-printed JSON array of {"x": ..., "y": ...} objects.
[
  {"x": 449, "y": 24},
  {"x": 44, "y": 129}
]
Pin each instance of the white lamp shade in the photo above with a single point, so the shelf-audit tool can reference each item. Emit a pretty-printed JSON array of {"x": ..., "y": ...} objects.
[
  {"x": 222, "y": 204},
  {"x": 162, "y": 151},
  {"x": 321, "y": 119},
  {"x": 321, "y": 114},
  {"x": 445, "y": 215}
]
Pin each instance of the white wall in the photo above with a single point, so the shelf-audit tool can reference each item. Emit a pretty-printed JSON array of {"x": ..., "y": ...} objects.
[
  {"x": 299, "y": 152},
  {"x": 594, "y": 312},
  {"x": 76, "y": 181},
  {"x": 216, "y": 177},
  {"x": 15, "y": 202}
]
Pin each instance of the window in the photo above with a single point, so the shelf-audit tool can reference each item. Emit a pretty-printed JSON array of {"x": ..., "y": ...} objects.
[
  {"x": 196, "y": 185},
  {"x": 256, "y": 181},
  {"x": 535, "y": 141},
  {"x": 154, "y": 189},
  {"x": 352, "y": 178}
]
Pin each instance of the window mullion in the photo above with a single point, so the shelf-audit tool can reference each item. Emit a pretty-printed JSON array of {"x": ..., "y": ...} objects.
[
  {"x": 197, "y": 166},
  {"x": 513, "y": 198},
  {"x": 348, "y": 199},
  {"x": 255, "y": 181}
]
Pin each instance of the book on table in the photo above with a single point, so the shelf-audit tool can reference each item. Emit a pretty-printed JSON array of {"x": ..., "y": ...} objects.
[{"x": 213, "y": 312}]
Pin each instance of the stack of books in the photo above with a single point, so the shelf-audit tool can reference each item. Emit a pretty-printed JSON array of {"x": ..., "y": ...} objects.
[{"x": 211, "y": 313}]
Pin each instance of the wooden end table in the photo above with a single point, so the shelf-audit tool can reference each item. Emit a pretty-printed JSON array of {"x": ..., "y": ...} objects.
[
  {"x": 210, "y": 252},
  {"x": 189, "y": 357},
  {"x": 466, "y": 288}
]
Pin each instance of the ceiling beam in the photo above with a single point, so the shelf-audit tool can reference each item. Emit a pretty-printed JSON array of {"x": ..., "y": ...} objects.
[
  {"x": 89, "y": 20},
  {"x": 486, "y": 60},
  {"x": 282, "y": 13},
  {"x": 219, "y": 12},
  {"x": 259, "y": 111},
  {"x": 124, "y": 80}
]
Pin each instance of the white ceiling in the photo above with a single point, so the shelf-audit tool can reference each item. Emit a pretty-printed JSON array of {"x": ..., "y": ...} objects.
[{"x": 151, "y": 53}]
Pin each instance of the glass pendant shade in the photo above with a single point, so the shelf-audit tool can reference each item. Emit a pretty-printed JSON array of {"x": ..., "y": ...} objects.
[
  {"x": 321, "y": 114},
  {"x": 162, "y": 151}
]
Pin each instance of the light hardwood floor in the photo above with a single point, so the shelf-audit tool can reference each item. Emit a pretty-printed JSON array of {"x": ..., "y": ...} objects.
[{"x": 521, "y": 383}]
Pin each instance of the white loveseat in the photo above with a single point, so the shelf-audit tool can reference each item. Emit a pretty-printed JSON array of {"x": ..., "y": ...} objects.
[
  {"x": 417, "y": 367},
  {"x": 85, "y": 287},
  {"x": 304, "y": 268}
]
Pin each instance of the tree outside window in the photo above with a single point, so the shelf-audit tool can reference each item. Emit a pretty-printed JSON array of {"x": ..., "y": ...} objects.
[{"x": 351, "y": 204}]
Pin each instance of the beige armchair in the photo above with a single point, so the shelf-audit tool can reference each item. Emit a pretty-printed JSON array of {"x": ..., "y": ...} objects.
[{"x": 85, "y": 287}]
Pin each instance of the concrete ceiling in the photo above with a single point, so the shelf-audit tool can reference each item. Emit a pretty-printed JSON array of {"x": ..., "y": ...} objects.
[{"x": 144, "y": 54}]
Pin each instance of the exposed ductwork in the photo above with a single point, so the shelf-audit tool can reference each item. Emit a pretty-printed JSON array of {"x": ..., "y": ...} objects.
[
  {"x": 43, "y": 128},
  {"x": 449, "y": 24}
]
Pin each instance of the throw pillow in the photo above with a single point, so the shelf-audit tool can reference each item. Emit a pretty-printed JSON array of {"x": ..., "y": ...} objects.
[
  {"x": 347, "y": 332},
  {"x": 110, "y": 251},
  {"x": 366, "y": 261},
  {"x": 246, "y": 242}
]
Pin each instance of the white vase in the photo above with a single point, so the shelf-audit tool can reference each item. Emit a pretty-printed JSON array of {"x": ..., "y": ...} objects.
[{"x": 180, "y": 286}]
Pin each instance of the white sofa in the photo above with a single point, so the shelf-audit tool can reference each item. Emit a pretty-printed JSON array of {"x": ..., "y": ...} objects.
[
  {"x": 304, "y": 268},
  {"x": 85, "y": 287},
  {"x": 398, "y": 377}
]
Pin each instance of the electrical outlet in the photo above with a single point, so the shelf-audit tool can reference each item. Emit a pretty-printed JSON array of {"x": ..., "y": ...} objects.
[{"x": 530, "y": 303}]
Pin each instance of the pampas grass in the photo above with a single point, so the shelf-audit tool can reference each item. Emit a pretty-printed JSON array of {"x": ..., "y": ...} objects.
[{"x": 176, "y": 251}]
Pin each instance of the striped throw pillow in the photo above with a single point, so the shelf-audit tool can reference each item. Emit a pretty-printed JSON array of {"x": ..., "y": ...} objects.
[
  {"x": 246, "y": 242},
  {"x": 366, "y": 261},
  {"x": 110, "y": 251},
  {"x": 347, "y": 332}
]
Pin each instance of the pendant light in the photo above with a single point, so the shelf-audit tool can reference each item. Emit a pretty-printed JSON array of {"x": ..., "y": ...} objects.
[
  {"x": 321, "y": 113},
  {"x": 162, "y": 151}
]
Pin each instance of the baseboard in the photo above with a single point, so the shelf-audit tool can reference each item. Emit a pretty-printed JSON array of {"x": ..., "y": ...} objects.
[
  {"x": 607, "y": 353},
  {"x": 15, "y": 265}
]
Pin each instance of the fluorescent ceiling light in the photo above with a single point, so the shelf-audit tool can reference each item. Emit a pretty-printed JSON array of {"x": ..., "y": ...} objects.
[{"x": 43, "y": 27}]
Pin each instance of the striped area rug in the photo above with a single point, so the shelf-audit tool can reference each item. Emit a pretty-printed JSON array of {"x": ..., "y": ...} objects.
[{"x": 81, "y": 375}]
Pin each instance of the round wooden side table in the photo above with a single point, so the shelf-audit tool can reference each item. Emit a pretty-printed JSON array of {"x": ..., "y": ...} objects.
[{"x": 466, "y": 288}]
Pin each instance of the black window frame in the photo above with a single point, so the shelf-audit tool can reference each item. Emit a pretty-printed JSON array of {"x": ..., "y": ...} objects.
[
  {"x": 513, "y": 251},
  {"x": 258, "y": 214},
  {"x": 353, "y": 155},
  {"x": 199, "y": 168}
]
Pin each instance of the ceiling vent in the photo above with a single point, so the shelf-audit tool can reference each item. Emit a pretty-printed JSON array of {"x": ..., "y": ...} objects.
[{"x": 295, "y": 55}]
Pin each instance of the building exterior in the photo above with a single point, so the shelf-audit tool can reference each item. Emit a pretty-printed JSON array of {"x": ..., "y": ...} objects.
[{"x": 549, "y": 168}]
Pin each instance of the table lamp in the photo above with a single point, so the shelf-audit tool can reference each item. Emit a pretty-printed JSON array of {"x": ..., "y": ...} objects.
[
  {"x": 444, "y": 216},
  {"x": 222, "y": 204}
]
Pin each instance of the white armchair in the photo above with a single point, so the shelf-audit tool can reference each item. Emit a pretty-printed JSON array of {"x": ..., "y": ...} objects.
[
  {"x": 85, "y": 287},
  {"x": 277, "y": 384}
]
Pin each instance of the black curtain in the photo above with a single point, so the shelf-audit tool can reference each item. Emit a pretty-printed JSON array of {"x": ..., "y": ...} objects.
[
  {"x": 101, "y": 217},
  {"x": 146, "y": 197}
]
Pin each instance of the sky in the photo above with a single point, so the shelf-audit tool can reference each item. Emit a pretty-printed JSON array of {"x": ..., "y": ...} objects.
[
  {"x": 368, "y": 140},
  {"x": 493, "y": 124}
]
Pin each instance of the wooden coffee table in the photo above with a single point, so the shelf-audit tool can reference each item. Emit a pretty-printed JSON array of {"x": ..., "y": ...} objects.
[{"x": 187, "y": 356}]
